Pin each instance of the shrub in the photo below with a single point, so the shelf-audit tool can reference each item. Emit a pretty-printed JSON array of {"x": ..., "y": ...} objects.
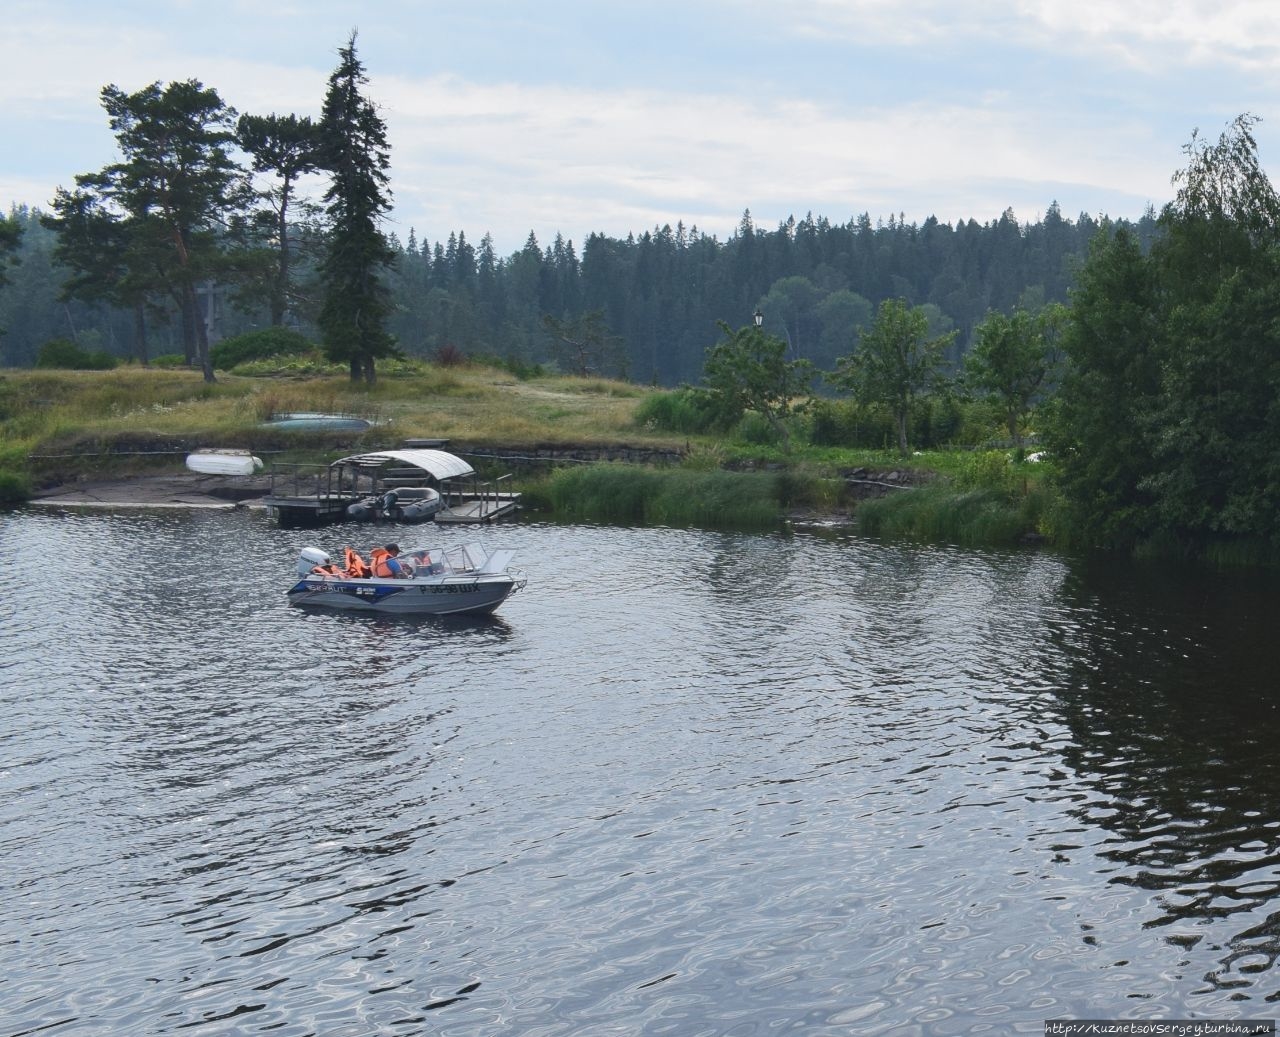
[
  {"x": 755, "y": 429},
  {"x": 847, "y": 423},
  {"x": 258, "y": 345},
  {"x": 938, "y": 514},
  {"x": 933, "y": 422},
  {"x": 312, "y": 362},
  {"x": 512, "y": 365},
  {"x": 986, "y": 470},
  {"x": 669, "y": 497},
  {"x": 450, "y": 355},
  {"x": 63, "y": 354},
  {"x": 687, "y": 411},
  {"x": 15, "y": 487}
]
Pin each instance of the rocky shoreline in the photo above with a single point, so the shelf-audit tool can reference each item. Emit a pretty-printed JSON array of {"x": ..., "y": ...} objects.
[{"x": 175, "y": 490}]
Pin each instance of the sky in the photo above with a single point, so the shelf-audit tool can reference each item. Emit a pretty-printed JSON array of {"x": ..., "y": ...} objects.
[{"x": 565, "y": 117}]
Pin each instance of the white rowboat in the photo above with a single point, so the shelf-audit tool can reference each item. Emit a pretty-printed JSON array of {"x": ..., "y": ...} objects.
[{"x": 224, "y": 462}]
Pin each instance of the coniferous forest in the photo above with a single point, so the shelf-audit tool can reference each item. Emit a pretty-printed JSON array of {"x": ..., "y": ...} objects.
[{"x": 660, "y": 292}]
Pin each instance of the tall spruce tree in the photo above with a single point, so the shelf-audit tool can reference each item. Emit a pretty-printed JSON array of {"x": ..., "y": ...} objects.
[{"x": 354, "y": 150}]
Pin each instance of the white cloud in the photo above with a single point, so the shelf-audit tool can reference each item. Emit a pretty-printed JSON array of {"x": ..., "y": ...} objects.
[
  {"x": 1146, "y": 33},
  {"x": 574, "y": 154},
  {"x": 558, "y": 154}
]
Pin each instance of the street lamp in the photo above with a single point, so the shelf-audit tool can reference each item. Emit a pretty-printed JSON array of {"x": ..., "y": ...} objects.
[{"x": 758, "y": 318}]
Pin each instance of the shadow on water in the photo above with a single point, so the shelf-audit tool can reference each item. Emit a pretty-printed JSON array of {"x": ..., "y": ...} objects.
[
  {"x": 487, "y": 628},
  {"x": 1170, "y": 694}
]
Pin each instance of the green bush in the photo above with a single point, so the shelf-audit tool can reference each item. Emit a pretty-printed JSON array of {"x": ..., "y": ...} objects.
[
  {"x": 258, "y": 345},
  {"x": 169, "y": 360},
  {"x": 312, "y": 362},
  {"x": 65, "y": 355},
  {"x": 938, "y": 514},
  {"x": 512, "y": 365},
  {"x": 986, "y": 469},
  {"x": 933, "y": 422},
  {"x": 755, "y": 429},
  {"x": 668, "y": 497},
  {"x": 15, "y": 487},
  {"x": 687, "y": 411},
  {"x": 847, "y": 423}
]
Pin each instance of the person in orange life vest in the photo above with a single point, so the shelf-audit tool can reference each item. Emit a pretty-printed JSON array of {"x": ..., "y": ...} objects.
[
  {"x": 385, "y": 563},
  {"x": 328, "y": 569}
]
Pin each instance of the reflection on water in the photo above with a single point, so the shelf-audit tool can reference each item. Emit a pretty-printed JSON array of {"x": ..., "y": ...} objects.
[
  {"x": 686, "y": 782},
  {"x": 1170, "y": 694}
]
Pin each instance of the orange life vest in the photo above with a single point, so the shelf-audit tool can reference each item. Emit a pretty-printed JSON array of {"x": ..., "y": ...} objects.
[
  {"x": 357, "y": 567},
  {"x": 379, "y": 556},
  {"x": 329, "y": 569}
]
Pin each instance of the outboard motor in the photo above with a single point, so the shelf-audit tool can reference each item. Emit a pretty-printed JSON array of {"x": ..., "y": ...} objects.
[
  {"x": 389, "y": 506},
  {"x": 309, "y": 558}
]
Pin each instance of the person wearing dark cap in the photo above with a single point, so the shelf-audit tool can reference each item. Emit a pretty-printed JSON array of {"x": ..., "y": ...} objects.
[{"x": 385, "y": 563}]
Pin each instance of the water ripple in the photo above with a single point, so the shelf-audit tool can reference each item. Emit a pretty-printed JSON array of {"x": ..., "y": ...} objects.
[{"x": 685, "y": 783}]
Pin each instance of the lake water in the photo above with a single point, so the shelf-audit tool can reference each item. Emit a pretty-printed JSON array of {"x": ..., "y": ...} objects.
[{"x": 685, "y": 783}]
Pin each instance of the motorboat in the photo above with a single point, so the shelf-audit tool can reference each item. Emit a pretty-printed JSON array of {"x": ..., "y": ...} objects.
[
  {"x": 405, "y": 504},
  {"x": 458, "y": 580}
]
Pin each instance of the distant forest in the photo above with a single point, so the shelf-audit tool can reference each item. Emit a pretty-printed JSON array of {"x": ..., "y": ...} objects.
[{"x": 660, "y": 293}]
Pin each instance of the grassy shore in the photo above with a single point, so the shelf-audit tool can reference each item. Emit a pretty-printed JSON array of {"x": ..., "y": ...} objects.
[{"x": 56, "y": 426}]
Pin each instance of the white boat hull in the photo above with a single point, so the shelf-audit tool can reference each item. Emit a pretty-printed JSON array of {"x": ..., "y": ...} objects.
[{"x": 223, "y": 462}]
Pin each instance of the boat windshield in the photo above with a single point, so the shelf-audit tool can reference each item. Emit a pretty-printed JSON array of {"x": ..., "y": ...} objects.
[{"x": 462, "y": 558}]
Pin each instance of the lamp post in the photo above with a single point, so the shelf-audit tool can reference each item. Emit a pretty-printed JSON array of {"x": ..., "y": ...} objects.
[{"x": 758, "y": 317}]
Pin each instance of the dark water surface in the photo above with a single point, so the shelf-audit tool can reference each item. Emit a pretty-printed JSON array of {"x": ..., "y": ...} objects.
[{"x": 686, "y": 783}]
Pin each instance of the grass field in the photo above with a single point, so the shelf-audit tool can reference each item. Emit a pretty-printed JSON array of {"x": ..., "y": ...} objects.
[{"x": 57, "y": 425}]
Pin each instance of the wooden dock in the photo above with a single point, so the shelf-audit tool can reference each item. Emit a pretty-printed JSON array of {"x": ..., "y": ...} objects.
[
  {"x": 305, "y": 495},
  {"x": 487, "y": 508}
]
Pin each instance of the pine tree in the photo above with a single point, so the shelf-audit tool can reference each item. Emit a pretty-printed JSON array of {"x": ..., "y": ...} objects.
[
  {"x": 288, "y": 147},
  {"x": 354, "y": 151},
  {"x": 174, "y": 187}
]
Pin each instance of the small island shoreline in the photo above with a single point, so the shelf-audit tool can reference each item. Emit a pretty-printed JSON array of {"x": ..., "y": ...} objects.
[{"x": 191, "y": 490}]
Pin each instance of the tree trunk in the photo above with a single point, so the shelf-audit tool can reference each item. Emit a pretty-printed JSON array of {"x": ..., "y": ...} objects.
[
  {"x": 900, "y": 419},
  {"x": 1016, "y": 435},
  {"x": 201, "y": 333},
  {"x": 71, "y": 324},
  {"x": 280, "y": 292},
  {"x": 781, "y": 431},
  {"x": 140, "y": 334}
]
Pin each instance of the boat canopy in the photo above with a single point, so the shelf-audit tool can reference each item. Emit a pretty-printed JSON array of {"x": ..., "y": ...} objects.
[{"x": 439, "y": 464}]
